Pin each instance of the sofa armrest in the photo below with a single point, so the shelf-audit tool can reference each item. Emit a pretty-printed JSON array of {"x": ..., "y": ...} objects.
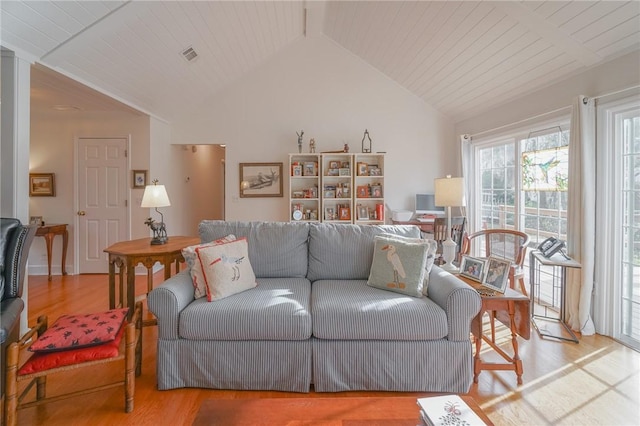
[
  {"x": 458, "y": 299},
  {"x": 168, "y": 300}
]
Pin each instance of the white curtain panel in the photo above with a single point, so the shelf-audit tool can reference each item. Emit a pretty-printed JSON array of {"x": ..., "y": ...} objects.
[
  {"x": 581, "y": 214},
  {"x": 465, "y": 166}
]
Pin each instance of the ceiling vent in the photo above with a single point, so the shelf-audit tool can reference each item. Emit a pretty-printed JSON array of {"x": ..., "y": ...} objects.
[{"x": 189, "y": 54}]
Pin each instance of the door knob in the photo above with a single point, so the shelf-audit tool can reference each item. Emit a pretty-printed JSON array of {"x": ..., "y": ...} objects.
[{"x": 82, "y": 213}]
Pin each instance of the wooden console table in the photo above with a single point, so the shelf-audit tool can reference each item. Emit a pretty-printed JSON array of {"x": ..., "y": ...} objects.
[
  {"x": 512, "y": 310},
  {"x": 127, "y": 254},
  {"x": 50, "y": 231}
]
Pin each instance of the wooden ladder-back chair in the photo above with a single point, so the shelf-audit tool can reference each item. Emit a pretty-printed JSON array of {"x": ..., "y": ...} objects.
[
  {"x": 129, "y": 355},
  {"x": 440, "y": 234},
  {"x": 506, "y": 244}
]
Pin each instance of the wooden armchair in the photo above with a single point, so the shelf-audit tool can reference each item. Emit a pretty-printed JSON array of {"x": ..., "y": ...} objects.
[{"x": 503, "y": 243}]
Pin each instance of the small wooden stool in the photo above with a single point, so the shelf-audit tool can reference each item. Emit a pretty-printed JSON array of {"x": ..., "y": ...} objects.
[{"x": 130, "y": 350}]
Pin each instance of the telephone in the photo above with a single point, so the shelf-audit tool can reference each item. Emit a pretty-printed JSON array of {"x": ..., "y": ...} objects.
[{"x": 550, "y": 246}]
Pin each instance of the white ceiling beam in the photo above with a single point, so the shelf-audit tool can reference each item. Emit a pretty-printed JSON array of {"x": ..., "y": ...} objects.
[{"x": 546, "y": 30}]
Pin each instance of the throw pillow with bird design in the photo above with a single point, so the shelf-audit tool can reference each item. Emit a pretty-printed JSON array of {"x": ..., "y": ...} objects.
[
  {"x": 399, "y": 265},
  {"x": 227, "y": 269}
]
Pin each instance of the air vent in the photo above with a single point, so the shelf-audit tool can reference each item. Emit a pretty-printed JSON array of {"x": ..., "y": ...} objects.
[{"x": 189, "y": 54}]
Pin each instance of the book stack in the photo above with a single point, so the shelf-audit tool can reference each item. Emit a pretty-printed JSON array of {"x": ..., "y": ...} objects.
[{"x": 448, "y": 410}]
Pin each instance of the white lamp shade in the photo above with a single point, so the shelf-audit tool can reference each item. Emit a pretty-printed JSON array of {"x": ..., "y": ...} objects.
[
  {"x": 155, "y": 196},
  {"x": 449, "y": 192}
]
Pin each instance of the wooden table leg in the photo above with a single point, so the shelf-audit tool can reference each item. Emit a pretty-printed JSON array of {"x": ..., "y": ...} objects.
[
  {"x": 65, "y": 243},
  {"x": 131, "y": 287},
  {"x": 477, "y": 362},
  {"x": 49, "y": 242},
  {"x": 517, "y": 362}
]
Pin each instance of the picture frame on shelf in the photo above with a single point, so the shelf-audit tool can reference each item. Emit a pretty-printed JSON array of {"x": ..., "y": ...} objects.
[
  {"x": 264, "y": 180},
  {"x": 329, "y": 213},
  {"x": 296, "y": 170},
  {"x": 362, "y": 191},
  {"x": 363, "y": 169},
  {"x": 330, "y": 194},
  {"x": 363, "y": 213},
  {"x": 496, "y": 276},
  {"x": 334, "y": 164},
  {"x": 472, "y": 268},
  {"x": 344, "y": 171},
  {"x": 42, "y": 184},
  {"x": 374, "y": 171},
  {"x": 376, "y": 191},
  {"x": 333, "y": 172},
  {"x": 310, "y": 169},
  {"x": 344, "y": 213}
]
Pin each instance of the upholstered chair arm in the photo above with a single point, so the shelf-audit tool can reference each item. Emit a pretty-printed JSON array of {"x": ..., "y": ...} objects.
[
  {"x": 168, "y": 300},
  {"x": 459, "y": 300},
  {"x": 15, "y": 263}
]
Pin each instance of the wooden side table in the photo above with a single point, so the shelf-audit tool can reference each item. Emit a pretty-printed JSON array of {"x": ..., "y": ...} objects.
[
  {"x": 49, "y": 232},
  {"x": 512, "y": 310},
  {"x": 426, "y": 227},
  {"x": 127, "y": 254}
]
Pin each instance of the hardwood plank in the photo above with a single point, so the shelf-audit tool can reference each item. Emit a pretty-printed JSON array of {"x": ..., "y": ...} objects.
[{"x": 594, "y": 382}]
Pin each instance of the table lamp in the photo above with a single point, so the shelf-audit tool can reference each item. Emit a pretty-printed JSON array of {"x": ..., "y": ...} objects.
[
  {"x": 449, "y": 193},
  {"x": 156, "y": 196}
]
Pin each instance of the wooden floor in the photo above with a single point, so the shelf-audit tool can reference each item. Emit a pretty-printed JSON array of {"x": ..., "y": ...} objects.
[{"x": 595, "y": 382}]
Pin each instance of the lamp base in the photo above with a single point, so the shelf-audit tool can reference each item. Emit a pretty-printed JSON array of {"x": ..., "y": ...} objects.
[
  {"x": 159, "y": 240},
  {"x": 449, "y": 255}
]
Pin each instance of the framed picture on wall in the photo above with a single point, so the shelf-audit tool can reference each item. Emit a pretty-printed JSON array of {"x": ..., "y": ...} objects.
[
  {"x": 139, "y": 178},
  {"x": 42, "y": 184},
  {"x": 261, "y": 180}
]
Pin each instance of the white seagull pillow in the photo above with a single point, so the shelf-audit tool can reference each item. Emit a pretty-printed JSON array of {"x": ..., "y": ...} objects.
[
  {"x": 398, "y": 265},
  {"x": 226, "y": 269}
]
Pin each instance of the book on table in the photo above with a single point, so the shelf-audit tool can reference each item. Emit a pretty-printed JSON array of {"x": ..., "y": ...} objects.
[{"x": 447, "y": 410}]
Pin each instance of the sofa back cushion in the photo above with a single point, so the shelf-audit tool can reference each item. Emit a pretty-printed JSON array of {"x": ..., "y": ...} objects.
[
  {"x": 276, "y": 249},
  {"x": 345, "y": 251}
]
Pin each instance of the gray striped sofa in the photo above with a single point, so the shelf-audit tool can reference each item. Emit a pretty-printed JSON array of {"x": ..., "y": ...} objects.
[{"x": 313, "y": 320}]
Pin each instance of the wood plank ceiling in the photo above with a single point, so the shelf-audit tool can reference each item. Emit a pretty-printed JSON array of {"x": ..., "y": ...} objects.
[{"x": 461, "y": 57}]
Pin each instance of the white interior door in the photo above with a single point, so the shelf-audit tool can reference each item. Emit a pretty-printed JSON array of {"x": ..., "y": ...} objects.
[{"x": 102, "y": 200}]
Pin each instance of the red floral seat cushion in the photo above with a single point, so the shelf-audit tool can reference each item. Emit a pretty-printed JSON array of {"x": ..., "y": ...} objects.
[
  {"x": 42, "y": 361},
  {"x": 80, "y": 331}
]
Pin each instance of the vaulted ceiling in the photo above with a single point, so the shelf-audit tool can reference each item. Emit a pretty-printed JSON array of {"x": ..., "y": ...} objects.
[{"x": 461, "y": 57}]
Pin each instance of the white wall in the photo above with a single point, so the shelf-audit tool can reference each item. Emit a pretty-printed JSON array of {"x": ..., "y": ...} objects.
[
  {"x": 52, "y": 151},
  {"x": 333, "y": 96}
]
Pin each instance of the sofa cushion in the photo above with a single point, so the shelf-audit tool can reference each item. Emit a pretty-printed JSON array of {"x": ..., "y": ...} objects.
[
  {"x": 344, "y": 251},
  {"x": 350, "y": 309},
  {"x": 276, "y": 249},
  {"x": 277, "y": 309},
  {"x": 226, "y": 268},
  {"x": 195, "y": 269},
  {"x": 399, "y": 265}
]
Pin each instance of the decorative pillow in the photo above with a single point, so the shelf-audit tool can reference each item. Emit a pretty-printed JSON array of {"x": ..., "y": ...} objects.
[
  {"x": 190, "y": 256},
  {"x": 80, "y": 331},
  {"x": 226, "y": 269},
  {"x": 46, "y": 360},
  {"x": 398, "y": 265},
  {"x": 431, "y": 256}
]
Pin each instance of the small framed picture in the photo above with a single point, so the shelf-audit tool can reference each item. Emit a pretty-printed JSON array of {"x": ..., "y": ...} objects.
[
  {"x": 344, "y": 213},
  {"x": 333, "y": 172},
  {"x": 497, "y": 274},
  {"x": 36, "y": 220},
  {"x": 329, "y": 213},
  {"x": 363, "y": 213},
  {"x": 363, "y": 169},
  {"x": 296, "y": 170},
  {"x": 139, "y": 178},
  {"x": 330, "y": 194},
  {"x": 42, "y": 184},
  {"x": 310, "y": 169},
  {"x": 344, "y": 171},
  {"x": 334, "y": 164},
  {"x": 363, "y": 191},
  {"x": 374, "y": 171},
  {"x": 472, "y": 267},
  {"x": 376, "y": 191}
]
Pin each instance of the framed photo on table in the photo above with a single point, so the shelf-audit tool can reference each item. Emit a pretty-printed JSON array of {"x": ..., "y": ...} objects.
[
  {"x": 42, "y": 184},
  {"x": 472, "y": 268},
  {"x": 497, "y": 274}
]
